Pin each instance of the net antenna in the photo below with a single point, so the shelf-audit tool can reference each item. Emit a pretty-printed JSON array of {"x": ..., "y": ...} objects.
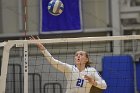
[
  {"x": 25, "y": 44},
  {"x": 25, "y": 17}
]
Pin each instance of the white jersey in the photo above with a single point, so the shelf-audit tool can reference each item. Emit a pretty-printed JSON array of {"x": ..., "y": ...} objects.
[{"x": 75, "y": 79}]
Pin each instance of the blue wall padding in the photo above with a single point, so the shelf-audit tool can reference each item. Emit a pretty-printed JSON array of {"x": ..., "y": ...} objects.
[
  {"x": 118, "y": 73},
  {"x": 138, "y": 75}
]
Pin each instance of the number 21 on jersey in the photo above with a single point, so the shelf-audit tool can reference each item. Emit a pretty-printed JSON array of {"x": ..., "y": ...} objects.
[{"x": 80, "y": 82}]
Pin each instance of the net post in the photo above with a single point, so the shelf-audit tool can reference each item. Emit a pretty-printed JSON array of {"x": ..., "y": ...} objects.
[
  {"x": 25, "y": 68},
  {"x": 4, "y": 65}
]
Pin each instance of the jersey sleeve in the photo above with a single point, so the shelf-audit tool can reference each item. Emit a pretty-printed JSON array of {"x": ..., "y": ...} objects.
[
  {"x": 98, "y": 79},
  {"x": 63, "y": 67}
]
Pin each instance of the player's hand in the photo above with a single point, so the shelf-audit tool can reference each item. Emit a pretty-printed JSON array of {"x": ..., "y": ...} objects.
[
  {"x": 39, "y": 45},
  {"x": 90, "y": 80}
]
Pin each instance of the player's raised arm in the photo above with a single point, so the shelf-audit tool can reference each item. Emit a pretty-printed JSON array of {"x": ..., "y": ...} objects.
[{"x": 55, "y": 63}]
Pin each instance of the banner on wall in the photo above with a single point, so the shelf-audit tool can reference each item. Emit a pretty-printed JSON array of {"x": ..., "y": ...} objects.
[{"x": 67, "y": 22}]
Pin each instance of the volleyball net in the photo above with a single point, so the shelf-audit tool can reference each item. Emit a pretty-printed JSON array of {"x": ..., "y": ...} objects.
[{"x": 25, "y": 70}]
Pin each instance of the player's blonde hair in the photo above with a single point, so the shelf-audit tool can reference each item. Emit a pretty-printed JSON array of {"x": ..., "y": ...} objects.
[{"x": 88, "y": 62}]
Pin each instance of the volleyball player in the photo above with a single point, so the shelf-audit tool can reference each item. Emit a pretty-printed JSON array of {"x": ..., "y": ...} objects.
[{"x": 80, "y": 77}]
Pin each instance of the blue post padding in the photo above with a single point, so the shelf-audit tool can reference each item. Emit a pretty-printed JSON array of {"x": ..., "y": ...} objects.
[
  {"x": 118, "y": 73},
  {"x": 138, "y": 75}
]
